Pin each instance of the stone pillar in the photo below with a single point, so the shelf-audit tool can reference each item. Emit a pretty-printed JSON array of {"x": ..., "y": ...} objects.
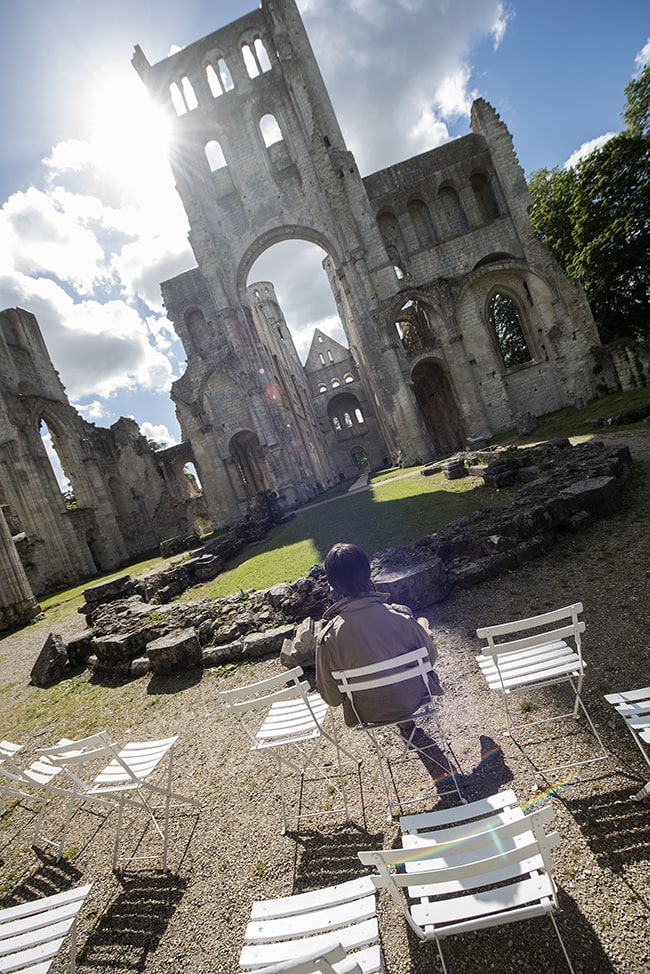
[{"x": 17, "y": 603}]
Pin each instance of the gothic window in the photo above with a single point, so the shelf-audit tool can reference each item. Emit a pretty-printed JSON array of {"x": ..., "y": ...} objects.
[
  {"x": 255, "y": 58},
  {"x": 329, "y": 355},
  {"x": 270, "y": 130},
  {"x": 220, "y": 81},
  {"x": 505, "y": 320},
  {"x": 177, "y": 99},
  {"x": 422, "y": 224},
  {"x": 214, "y": 155},
  {"x": 359, "y": 416},
  {"x": 322, "y": 358},
  {"x": 347, "y": 419},
  {"x": 336, "y": 422},
  {"x": 454, "y": 215},
  {"x": 183, "y": 97},
  {"x": 484, "y": 195},
  {"x": 412, "y": 326}
]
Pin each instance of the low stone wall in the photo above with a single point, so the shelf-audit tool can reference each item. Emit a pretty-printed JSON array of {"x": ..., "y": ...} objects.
[{"x": 564, "y": 488}]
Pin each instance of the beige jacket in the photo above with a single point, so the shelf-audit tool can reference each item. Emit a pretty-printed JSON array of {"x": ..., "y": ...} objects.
[{"x": 366, "y": 630}]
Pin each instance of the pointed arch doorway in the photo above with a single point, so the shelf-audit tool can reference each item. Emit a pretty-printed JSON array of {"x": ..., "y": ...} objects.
[{"x": 438, "y": 407}]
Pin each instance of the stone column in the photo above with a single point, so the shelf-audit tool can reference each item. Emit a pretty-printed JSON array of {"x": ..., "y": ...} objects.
[{"x": 17, "y": 603}]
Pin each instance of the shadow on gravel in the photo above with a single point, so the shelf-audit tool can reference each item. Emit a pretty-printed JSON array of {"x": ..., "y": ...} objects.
[
  {"x": 489, "y": 774},
  {"x": 329, "y": 857},
  {"x": 51, "y": 877},
  {"x": 616, "y": 829},
  {"x": 132, "y": 926}
]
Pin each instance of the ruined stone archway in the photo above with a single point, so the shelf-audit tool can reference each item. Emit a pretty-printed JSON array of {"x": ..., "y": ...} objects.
[
  {"x": 248, "y": 459},
  {"x": 438, "y": 407}
]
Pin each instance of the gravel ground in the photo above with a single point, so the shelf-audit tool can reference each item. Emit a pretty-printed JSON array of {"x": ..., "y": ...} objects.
[{"x": 232, "y": 851}]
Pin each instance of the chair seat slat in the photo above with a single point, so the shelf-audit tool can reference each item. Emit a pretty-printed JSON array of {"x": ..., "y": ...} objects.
[
  {"x": 313, "y": 899},
  {"x": 351, "y": 938},
  {"x": 312, "y": 922},
  {"x": 535, "y": 894}
]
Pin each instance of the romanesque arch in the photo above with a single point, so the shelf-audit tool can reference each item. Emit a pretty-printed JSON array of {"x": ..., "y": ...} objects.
[{"x": 438, "y": 407}]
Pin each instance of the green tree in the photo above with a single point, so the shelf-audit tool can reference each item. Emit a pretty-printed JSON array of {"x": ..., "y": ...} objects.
[{"x": 595, "y": 220}]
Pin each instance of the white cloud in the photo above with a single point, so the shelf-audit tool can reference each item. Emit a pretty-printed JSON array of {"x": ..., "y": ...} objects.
[
  {"x": 642, "y": 58},
  {"x": 586, "y": 148},
  {"x": 159, "y": 433}
]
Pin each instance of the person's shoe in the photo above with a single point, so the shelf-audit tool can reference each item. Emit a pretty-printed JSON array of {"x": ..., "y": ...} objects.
[{"x": 407, "y": 729}]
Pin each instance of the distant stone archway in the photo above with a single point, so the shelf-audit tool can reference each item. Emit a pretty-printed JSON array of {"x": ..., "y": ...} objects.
[{"x": 438, "y": 407}]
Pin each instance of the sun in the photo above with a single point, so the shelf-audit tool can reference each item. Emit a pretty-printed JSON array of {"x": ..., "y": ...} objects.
[{"x": 129, "y": 132}]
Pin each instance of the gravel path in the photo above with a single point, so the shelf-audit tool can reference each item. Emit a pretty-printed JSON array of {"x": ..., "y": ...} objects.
[{"x": 232, "y": 852}]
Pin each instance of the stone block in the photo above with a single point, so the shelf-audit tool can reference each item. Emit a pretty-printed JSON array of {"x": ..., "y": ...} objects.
[
  {"x": 258, "y": 644},
  {"x": 218, "y": 655},
  {"x": 415, "y": 585},
  {"x": 51, "y": 661},
  {"x": 175, "y": 653},
  {"x": 113, "y": 588},
  {"x": 118, "y": 647},
  {"x": 79, "y": 648}
]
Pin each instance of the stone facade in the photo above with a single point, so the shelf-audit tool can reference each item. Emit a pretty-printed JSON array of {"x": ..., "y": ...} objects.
[
  {"x": 128, "y": 498},
  {"x": 457, "y": 318}
]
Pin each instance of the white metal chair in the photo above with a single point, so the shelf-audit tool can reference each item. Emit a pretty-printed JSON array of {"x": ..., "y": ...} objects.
[
  {"x": 30, "y": 784},
  {"x": 32, "y": 934},
  {"x": 451, "y": 824},
  {"x": 634, "y": 708},
  {"x": 540, "y": 651},
  {"x": 280, "y": 716},
  {"x": 309, "y": 932},
  {"x": 124, "y": 781},
  {"x": 474, "y": 880},
  {"x": 413, "y": 665}
]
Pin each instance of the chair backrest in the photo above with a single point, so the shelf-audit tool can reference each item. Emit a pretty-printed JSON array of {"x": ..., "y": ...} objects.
[
  {"x": 31, "y": 934},
  {"x": 249, "y": 700},
  {"x": 559, "y": 624},
  {"x": 470, "y": 816},
  {"x": 321, "y": 962},
  {"x": 385, "y": 673},
  {"x": 487, "y": 858},
  {"x": 72, "y": 756}
]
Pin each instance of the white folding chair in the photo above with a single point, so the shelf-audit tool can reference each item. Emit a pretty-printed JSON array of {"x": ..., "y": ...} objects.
[
  {"x": 30, "y": 784},
  {"x": 413, "y": 665},
  {"x": 309, "y": 932},
  {"x": 124, "y": 781},
  {"x": 280, "y": 716},
  {"x": 634, "y": 708},
  {"x": 540, "y": 651},
  {"x": 451, "y": 824},
  {"x": 483, "y": 878},
  {"x": 31, "y": 934}
]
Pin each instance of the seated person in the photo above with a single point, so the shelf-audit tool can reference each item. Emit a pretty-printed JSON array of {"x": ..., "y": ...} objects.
[{"x": 361, "y": 628}]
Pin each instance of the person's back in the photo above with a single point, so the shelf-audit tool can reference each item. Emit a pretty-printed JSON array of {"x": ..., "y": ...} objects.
[{"x": 362, "y": 628}]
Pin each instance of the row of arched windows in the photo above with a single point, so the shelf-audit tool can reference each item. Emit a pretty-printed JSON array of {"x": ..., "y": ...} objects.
[
  {"x": 345, "y": 421},
  {"x": 335, "y": 383},
  {"x": 218, "y": 76},
  {"x": 439, "y": 219}
]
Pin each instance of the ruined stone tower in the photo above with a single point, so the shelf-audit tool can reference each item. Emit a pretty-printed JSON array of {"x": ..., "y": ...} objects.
[{"x": 457, "y": 319}]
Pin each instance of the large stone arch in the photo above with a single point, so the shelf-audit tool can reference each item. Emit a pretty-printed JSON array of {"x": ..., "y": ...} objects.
[{"x": 438, "y": 406}]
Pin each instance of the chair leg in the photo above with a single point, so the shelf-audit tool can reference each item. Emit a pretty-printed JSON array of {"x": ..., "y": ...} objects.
[
  {"x": 118, "y": 834},
  {"x": 564, "y": 950},
  {"x": 640, "y": 795}
]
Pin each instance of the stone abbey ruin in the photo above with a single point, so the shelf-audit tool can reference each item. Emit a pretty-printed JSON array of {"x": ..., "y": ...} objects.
[{"x": 459, "y": 323}]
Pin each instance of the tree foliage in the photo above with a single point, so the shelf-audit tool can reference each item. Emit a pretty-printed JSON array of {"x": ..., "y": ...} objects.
[{"x": 595, "y": 220}]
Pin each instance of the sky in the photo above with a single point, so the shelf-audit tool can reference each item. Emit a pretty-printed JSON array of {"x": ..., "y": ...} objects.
[{"x": 90, "y": 223}]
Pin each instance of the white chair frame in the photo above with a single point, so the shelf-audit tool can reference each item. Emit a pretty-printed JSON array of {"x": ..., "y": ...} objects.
[
  {"x": 536, "y": 653},
  {"x": 294, "y": 721},
  {"x": 473, "y": 880},
  {"x": 31, "y": 784},
  {"x": 414, "y": 664},
  {"x": 31, "y": 934},
  {"x": 634, "y": 708},
  {"x": 308, "y": 932},
  {"x": 123, "y": 782}
]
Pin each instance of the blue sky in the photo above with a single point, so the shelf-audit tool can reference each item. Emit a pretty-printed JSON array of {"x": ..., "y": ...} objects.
[{"x": 89, "y": 220}]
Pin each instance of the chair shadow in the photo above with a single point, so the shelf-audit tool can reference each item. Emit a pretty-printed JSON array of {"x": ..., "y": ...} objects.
[
  {"x": 616, "y": 829},
  {"x": 51, "y": 877},
  {"x": 131, "y": 927},
  {"x": 325, "y": 858}
]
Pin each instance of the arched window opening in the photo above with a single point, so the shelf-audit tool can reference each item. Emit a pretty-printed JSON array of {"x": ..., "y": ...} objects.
[
  {"x": 399, "y": 273},
  {"x": 505, "y": 321},
  {"x": 329, "y": 355},
  {"x": 188, "y": 94},
  {"x": 270, "y": 130},
  {"x": 177, "y": 99},
  {"x": 336, "y": 422},
  {"x": 261, "y": 55},
  {"x": 214, "y": 155},
  {"x": 422, "y": 223},
  {"x": 359, "y": 416},
  {"x": 347, "y": 419},
  {"x": 335, "y": 383},
  {"x": 348, "y": 377},
  {"x": 220, "y": 81},
  {"x": 191, "y": 479},
  {"x": 484, "y": 195},
  {"x": 56, "y": 463},
  {"x": 321, "y": 358},
  {"x": 250, "y": 61},
  {"x": 454, "y": 215},
  {"x": 322, "y": 387},
  {"x": 412, "y": 326}
]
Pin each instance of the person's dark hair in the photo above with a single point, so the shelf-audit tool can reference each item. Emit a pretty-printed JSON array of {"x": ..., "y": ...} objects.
[{"x": 348, "y": 569}]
